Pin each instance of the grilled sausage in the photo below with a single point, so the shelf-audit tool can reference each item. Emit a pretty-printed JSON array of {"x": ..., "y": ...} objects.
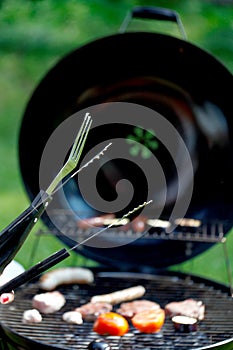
[
  {"x": 65, "y": 275},
  {"x": 120, "y": 296}
]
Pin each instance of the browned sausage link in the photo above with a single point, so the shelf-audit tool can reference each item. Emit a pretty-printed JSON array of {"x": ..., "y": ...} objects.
[{"x": 120, "y": 296}]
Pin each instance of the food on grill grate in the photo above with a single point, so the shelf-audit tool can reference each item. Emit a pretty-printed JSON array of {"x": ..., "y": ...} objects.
[
  {"x": 48, "y": 302},
  {"x": 96, "y": 221},
  {"x": 55, "y": 333},
  {"x": 188, "y": 222},
  {"x": 65, "y": 275},
  {"x": 72, "y": 317},
  {"x": 111, "y": 323},
  {"x": 31, "y": 316},
  {"x": 184, "y": 324},
  {"x": 91, "y": 311},
  {"x": 7, "y": 298},
  {"x": 130, "y": 309},
  {"x": 139, "y": 224},
  {"x": 120, "y": 296},
  {"x": 188, "y": 307},
  {"x": 149, "y": 321}
]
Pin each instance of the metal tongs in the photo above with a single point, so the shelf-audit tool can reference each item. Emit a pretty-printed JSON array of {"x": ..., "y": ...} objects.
[{"x": 14, "y": 235}]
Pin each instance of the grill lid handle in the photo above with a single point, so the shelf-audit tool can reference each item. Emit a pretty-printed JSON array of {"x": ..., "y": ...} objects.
[{"x": 157, "y": 13}]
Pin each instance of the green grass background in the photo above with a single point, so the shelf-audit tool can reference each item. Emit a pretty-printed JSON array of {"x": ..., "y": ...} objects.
[{"x": 34, "y": 35}]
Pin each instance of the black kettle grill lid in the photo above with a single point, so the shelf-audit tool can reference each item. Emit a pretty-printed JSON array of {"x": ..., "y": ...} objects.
[{"x": 155, "y": 75}]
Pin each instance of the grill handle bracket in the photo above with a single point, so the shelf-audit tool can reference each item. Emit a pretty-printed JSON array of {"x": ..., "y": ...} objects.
[
  {"x": 228, "y": 265},
  {"x": 157, "y": 13}
]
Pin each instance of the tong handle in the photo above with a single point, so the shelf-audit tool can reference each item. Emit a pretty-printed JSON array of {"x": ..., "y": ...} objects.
[
  {"x": 28, "y": 216},
  {"x": 157, "y": 13},
  {"x": 14, "y": 235},
  {"x": 34, "y": 271}
]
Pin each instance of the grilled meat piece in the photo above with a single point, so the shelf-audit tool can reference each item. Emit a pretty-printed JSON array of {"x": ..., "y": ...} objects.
[
  {"x": 91, "y": 311},
  {"x": 48, "y": 302},
  {"x": 188, "y": 307},
  {"x": 31, "y": 316},
  {"x": 139, "y": 224},
  {"x": 72, "y": 317},
  {"x": 130, "y": 309}
]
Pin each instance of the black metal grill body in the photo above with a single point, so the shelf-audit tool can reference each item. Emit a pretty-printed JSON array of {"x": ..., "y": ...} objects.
[
  {"x": 153, "y": 65},
  {"x": 214, "y": 332}
]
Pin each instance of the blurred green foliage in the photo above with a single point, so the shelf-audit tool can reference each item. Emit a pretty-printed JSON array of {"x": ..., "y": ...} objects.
[{"x": 35, "y": 34}]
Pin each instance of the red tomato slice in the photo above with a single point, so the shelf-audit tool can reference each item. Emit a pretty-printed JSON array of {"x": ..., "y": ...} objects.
[
  {"x": 149, "y": 321},
  {"x": 111, "y": 323}
]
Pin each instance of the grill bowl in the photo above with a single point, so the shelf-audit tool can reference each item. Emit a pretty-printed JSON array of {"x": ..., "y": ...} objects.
[{"x": 214, "y": 331}]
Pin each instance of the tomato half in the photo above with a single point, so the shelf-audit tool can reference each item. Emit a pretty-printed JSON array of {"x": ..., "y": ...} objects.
[
  {"x": 149, "y": 321},
  {"x": 111, "y": 323}
]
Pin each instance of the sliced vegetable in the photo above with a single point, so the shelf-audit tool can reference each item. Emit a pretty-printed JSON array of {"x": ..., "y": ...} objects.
[
  {"x": 149, "y": 321},
  {"x": 184, "y": 324},
  {"x": 111, "y": 323}
]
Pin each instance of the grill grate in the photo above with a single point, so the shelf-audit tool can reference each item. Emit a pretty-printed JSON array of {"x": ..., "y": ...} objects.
[
  {"x": 211, "y": 231},
  {"x": 55, "y": 333}
]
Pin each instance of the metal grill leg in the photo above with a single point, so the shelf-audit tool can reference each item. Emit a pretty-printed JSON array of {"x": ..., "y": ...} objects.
[{"x": 228, "y": 264}]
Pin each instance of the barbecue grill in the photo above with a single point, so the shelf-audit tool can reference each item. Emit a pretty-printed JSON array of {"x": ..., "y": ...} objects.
[
  {"x": 53, "y": 333},
  {"x": 162, "y": 80}
]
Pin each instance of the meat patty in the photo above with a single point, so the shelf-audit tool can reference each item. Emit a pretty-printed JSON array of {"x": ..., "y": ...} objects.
[
  {"x": 91, "y": 311},
  {"x": 188, "y": 307},
  {"x": 130, "y": 309}
]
